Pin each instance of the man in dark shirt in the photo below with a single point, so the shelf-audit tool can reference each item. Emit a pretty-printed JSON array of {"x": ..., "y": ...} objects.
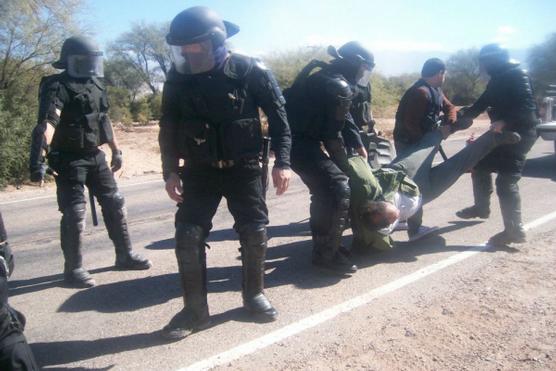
[{"x": 418, "y": 113}]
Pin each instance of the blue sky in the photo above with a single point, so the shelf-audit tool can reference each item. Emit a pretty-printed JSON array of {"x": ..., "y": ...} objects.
[{"x": 399, "y": 32}]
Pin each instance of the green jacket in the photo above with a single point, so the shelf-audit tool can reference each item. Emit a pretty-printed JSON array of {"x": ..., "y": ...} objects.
[{"x": 378, "y": 185}]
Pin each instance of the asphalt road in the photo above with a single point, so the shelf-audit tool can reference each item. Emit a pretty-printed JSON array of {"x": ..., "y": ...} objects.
[{"x": 115, "y": 324}]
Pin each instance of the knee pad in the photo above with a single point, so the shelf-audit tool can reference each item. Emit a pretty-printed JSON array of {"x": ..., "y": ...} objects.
[
  {"x": 253, "y": 235},
  {"x": 506, "y": 185},
  {"x": 189, "y": 236},
  {"x": 342, "y": 194},
  {"x": 113, "y": 202},
  {"x": 74, "y": 216}
]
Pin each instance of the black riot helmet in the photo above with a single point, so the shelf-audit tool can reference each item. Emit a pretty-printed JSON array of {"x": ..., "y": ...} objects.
[
  {"x": 357, "y": 61},
  {"x": 81, "y": 57},
  {"x": 494, "y": 57},
  {"x": 198, "y": 24},
  {"x": 196, "y": 38}
]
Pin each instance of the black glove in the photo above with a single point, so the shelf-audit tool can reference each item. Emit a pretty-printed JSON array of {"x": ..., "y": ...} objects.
[
  {"x": 38, "y": 171},
  {"x": 117, "y": 160}
]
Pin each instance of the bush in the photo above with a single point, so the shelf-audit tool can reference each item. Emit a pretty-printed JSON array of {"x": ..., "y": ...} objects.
[{"x": 15, "y": 139}]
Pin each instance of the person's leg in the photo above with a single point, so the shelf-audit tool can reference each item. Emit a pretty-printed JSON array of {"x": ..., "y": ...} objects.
[
  {"x": 72, "y": 204},
  {"x": 244, "y": 192},
  {"x": 444, "y": 175},
  {"x": 201, "y": 196},
  {"x": 507, "y": 190},
  {"x": 101, "y": 182},
  {"x": 329, "y": 208}
]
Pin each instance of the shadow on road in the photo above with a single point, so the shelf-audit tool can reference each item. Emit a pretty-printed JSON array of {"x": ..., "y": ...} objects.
[
  {"x": 300, "y": 228},
  {"x": 18, "y": 287},
  {"x": 541, "y": 167},
  {"x": 63, "y": 352}
]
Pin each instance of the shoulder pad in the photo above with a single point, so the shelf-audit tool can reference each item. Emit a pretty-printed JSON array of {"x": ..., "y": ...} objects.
[
  {"x": 337, "y": 86},
  {"x": 238, "y": 66}
]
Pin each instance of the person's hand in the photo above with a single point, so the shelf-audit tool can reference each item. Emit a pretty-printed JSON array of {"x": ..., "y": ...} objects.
[
  {"x": 361, "y": 151},
  {"x": 174, "y": 188},
  {"x": 497, "y": 126},
  {"x": 281, "y": 179},
  {"x": 117, "y": 160},
  {"x": 38, "y": 172}
]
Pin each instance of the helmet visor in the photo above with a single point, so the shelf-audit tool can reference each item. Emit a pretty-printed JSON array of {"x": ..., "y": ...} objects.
[
  {"x": 363, "y": 76},
  {"x": 85, "y": 66},
  {"x": 191, "y": 59}
]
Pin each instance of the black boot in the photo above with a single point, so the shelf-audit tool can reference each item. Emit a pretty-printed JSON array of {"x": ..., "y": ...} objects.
[
  {"x": 116, "y": 225},
  {"x": 510, "y": 206},
  {"x": 473, "y": 212},
  {"x": 329, "y": 258},
  {"x": 191, "y": 256},
  {"x": 253, "y": 250},
  {"x": 71, "y": 230}
]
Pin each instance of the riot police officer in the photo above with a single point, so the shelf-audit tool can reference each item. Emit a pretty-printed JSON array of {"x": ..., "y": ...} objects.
[
  {"x": 318, "y": 107},
  {"x": 72, "y": 123},
  {"x": 15, "y": 353},
  {"x": 210, "y": 119},
  {"x": 512, "y": 107}
]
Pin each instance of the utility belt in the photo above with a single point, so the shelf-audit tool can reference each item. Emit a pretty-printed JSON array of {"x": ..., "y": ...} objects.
[{"x": 223, "y": 164}]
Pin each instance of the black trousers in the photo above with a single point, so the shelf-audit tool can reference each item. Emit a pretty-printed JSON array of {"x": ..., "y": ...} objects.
[
  {"x": 204, "y": 187},
  {"x": 327, "y": 184},
  {"x": 15, "y": 354},
  {"x": 75, "y": 171}
]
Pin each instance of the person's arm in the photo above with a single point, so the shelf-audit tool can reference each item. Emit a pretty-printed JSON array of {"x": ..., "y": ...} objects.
[
  {"x": 270, "y": 99},
  {"x": 450, "y": 111},
  {"x": 351, "y": 136},
  {"x": 167, "y": 137},
  {"x": 52, "y": 98}
]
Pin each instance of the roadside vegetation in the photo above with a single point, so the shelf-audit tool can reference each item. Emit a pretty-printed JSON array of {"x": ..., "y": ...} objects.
[{"x": 137, "y": 62}]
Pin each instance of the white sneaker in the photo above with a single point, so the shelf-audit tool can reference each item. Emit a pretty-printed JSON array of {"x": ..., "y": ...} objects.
[{"x": 423, "y": 231}]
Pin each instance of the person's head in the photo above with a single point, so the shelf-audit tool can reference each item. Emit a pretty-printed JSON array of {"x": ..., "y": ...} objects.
[
  {"x": 197, "y": 38},
  {"x": 356, "y": 62},
  {"x": 434, "y": 72},
  {"x": 377, "y": 215},
  {"x": 80, "y": 57},
  {"x": 493, "y": 57}
]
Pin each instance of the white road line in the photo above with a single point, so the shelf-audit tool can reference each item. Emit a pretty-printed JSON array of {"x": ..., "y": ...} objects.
[
  {"x": 54, "y": 195},
  {"x": 330, "y": 313}
]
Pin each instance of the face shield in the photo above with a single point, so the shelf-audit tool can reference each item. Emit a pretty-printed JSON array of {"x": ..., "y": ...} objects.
[
  {"x": 81, "y": 66},
  {"x": 191, "y": 59},
  {"x": 363, "y": 76}
]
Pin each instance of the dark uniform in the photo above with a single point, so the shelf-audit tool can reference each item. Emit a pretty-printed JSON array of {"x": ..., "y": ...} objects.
[
  {"x": 510, "y": 99},
  {"x": 74, "y": 102},
  {"x": 318, "y": 107},
  {"x": 15, "y": 353},
  {"x": 210, "y": 119},
  {"x": 360, "y": 110}
]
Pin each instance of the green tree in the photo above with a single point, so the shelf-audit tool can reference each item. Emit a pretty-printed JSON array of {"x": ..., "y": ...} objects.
[
  {"x": 464, "y": 83},
  {"x": 144, "y": 49},
  {"x": 31, "y": 33},
  {"x": 542, "y": 65}
]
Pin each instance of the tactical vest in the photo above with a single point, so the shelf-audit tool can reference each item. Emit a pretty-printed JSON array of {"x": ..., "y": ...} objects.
[
  {"x": 84, "y": 124},
  {"x": 432, "y": 113},
  {"x": 220, "y": 113}
]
